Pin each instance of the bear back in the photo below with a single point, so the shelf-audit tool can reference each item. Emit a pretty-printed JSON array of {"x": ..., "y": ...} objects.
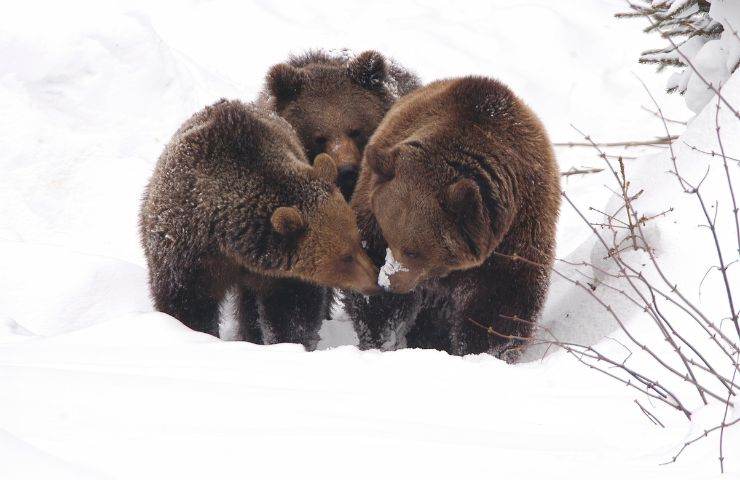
[{"x": 219, "y": 180}]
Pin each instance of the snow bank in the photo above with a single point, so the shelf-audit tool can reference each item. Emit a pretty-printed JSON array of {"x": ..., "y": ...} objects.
[
  {"x": 165, "y": 403},
  {"x": 85, "y": 107},
  {"x": 684, "y": 249},
  {"x": 49, "y": 290},
  {"x": 32, "y": 463}
]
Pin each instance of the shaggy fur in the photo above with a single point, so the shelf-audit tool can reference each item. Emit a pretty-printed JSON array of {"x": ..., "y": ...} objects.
[
  {"x": 336, "y": 101},
  {"x": 457, "y": 172},
  {"x": 233, "y": 203}
]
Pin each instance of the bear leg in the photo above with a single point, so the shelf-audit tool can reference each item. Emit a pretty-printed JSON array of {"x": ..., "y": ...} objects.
[
  {"x": 291, "y": 311},
  {"x": 248, "y": 317},
  {"x": 506, "y": 338},
  {"x": 190, "y": 300},
  {"x": 469, "y": 339},
  {"x": 431, "y": 330}
]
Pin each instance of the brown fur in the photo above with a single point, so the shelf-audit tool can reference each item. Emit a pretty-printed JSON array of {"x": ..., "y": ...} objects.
[
  {"x": 233, "y": 202},
  {"x": 456, "y": 171},
  {"x": 335, "y": 102}
]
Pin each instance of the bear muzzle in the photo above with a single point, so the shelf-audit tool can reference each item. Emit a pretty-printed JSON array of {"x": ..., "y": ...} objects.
[
  {"x": 347, "y": 157},
  {"x": 404, "y": 281},
  {"x": 368, "y": 276},
  {"x": 347, "y": 179}
]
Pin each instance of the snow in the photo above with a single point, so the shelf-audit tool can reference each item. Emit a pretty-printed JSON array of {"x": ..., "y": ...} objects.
[
  {"x": 172, "y": 404},
  {"x": 95, "y": 384},
  {"x": 390, "y": 268}
]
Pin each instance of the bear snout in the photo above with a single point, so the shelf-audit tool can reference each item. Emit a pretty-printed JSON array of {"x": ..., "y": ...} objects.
[
  {"x": 367, "y": 273},
  {"x": 371, "y": 290},
  {"x": 403, "y": 282},
  {"x": 347, "y": 179},
  {"x": 344, "y": 151}
]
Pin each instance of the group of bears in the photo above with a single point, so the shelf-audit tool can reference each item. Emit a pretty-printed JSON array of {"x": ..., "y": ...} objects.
[{"x": 449, "y": 186}]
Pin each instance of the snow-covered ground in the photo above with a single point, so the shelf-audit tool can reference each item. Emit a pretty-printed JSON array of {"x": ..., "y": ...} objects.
[{"x": 94, "y": 384}]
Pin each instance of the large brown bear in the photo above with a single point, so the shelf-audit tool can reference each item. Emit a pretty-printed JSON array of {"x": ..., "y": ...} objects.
[
  {"x": 335, "y": 102},
  {"x": 233, "y": 202},
  {"x": 458, "y": 177}
]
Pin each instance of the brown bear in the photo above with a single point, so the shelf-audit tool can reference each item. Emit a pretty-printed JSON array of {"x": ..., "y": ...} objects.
[
  {"x": 335, "y": 102},
  {"x": 458, "y": 179},
  {"x": 233, "y": 203}
]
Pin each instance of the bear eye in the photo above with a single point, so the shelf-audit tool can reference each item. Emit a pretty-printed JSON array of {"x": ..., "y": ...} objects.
[
  {"x": 412, "y": 254},
  {"x": 347, "y": 259},
  {"x": 354, "y": 134},
  {"x": 320, "y": 140}
]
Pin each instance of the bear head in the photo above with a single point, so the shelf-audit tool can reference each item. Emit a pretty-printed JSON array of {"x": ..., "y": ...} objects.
[
  {"x": 334, "y": 105},
  {"x": 434, "y": 224},
  {"x": 326, "y": 241}
]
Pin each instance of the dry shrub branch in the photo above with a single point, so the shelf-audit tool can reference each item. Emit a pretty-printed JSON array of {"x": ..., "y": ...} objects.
[{"x": 697, "y": 350}]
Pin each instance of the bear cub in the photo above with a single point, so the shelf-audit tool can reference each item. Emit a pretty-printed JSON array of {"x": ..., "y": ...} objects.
[
  {"x": 459, "y": 178},
  {"x": 234, "y": 203},
  {"x": 335, "y": 102}
]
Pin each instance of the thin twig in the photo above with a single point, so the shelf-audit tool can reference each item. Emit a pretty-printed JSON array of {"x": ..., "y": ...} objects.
[
  {"x": 711, "y": 153},
  {"x": 633, "y": 143},
  {"x": 678, "y": 122},
  {"x": 705, "y": 434},
  {"x": 649, "y": 415},
  {"x": 580, "y": 171},
  {"x": 727, "y": 175},
  {"x": 724, "y": 423}
]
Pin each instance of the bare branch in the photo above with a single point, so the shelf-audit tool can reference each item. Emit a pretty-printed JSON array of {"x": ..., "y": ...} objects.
[
  {"x": 724, "y": 424},
  {"x": 729, "y": 180},
  {"x": 580, "y": 171},
  {"x": 627, "y": 144},
  {"x": 678, "y": 122},
  {"x": 706, "y": 433},
  {"x": 649, "y": 415},
  {"x": 711, "y": 153}
]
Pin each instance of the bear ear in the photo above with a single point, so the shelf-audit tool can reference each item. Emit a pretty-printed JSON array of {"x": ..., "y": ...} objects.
[
  {"x": 287, "y": 221},
  {"x": 285, "y": 81},
  {"x": 463, "y": 197},
  {"x": 324, "y": 168},
  {"x": 381, "y": 162},
  {"x": 368, "y": 69}
]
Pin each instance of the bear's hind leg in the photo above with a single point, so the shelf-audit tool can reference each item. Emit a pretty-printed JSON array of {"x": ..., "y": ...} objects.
[{"x": 190, "y": 300}]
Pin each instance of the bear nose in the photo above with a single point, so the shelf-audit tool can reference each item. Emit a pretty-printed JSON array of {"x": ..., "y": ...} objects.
[{"x": 346, "y": 179}]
